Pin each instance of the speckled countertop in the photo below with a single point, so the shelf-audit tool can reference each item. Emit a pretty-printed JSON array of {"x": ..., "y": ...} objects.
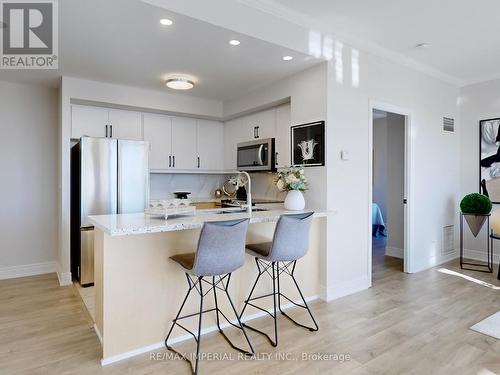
[{"x": 133, "y": 224}]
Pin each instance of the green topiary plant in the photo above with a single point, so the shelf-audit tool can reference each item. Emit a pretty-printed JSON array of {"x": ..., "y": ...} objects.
[{"x": 476, "y": 203}]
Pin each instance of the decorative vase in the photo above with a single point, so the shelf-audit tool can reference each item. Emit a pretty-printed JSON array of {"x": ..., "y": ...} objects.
[
  {"x": 475, "y": 222},
  {"x": 294, "y": 201}
]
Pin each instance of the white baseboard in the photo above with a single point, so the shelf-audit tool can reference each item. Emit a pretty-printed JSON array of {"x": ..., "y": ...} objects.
[
  {"x": 394, "y": 252},
  {"x": 27, "y": 270},
  {"x": 98, "y": 333},
  {"x": 159, "y": 345},
  {"x": 344, "y": 289},
  {"x": 64, "y": 278},
  {"x": 480, "y": 255}
]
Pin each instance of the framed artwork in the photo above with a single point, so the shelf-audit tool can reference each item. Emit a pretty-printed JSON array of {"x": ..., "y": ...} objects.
[
  {"x": 308, "y": 144},
  {"x": 489, "y": 158}
]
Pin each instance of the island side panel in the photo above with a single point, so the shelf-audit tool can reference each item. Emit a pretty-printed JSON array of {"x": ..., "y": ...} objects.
[
  {"x": 142, "y": 289},
  {"x": 98, "y": 278}
]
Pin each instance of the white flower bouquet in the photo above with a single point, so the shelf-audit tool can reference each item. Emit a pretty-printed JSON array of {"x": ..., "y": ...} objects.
[{"x": 292, "y": 178}]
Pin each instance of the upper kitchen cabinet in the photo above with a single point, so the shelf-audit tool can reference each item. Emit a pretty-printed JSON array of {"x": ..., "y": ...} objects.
[
  {"x": 265, "y": 122},
  {"x": 184, "y": 153},
  {"x": 89, "y": 121},
  {"x": 158, "y": 132},
  {"x": 210, "y": 145},
  {"x": 125, "y": 125},
  {"x": 104, "y": 122},
  {"x": 283, "y": 124}
]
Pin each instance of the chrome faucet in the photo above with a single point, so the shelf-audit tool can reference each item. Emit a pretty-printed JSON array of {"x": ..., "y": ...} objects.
[{"x": 249, "y": 192}]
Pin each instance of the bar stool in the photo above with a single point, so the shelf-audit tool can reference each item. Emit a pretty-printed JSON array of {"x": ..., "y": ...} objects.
[
  {"x": 290, "y": 242},
  {"x": 220, "y": 251}
]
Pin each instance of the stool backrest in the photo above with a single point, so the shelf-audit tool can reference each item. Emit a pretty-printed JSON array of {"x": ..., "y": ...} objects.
[
  {"x": 291, "y": 237},
  {"x": 221, "y": 247}
]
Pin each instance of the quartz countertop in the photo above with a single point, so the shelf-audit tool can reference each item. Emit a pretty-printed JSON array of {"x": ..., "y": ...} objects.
[{"x": 134, "y": 224}]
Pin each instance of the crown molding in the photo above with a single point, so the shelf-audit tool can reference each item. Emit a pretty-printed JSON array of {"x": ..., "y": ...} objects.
[{"x": 308, "y": 22}]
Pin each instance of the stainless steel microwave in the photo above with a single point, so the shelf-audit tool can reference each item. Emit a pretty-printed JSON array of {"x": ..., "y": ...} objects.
[{"x": 258, "y": 155}]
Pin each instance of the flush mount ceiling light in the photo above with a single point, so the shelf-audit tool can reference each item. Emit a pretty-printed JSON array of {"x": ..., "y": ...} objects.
[
  {"x": 166, "y": 22},
  {"x": 287, "y": 58},
  {"x": 179, "y": 83},
  {"x": 234, "y": 42},
  {"x": 422, "y": 45}
]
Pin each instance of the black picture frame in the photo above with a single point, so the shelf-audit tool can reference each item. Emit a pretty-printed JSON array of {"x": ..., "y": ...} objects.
[
  {"x": 311, "y": 131},
  {"x": 489, "y": 158}
]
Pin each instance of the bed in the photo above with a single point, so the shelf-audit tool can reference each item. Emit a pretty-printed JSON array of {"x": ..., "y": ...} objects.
[{"x": 378, "y": 224}]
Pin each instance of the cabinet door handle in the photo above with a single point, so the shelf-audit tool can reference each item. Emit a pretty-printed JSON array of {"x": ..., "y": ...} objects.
[
  {"x": 170, "y": 161},
  {"x": 173, "y": 161},
  {"x": 110, "y": 131},
  {"x": 255, "y": 132},
  {"x": 198, "y": 162},
  {"x": 276, "y": 159},
  {"x": 106, "y": 131},
  {"x": 258, "y": 128}
]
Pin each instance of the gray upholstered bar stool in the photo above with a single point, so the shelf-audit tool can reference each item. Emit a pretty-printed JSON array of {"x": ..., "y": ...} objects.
[
  {"x": 221, "y": 250},
  {"x": 290, "y": 243}
]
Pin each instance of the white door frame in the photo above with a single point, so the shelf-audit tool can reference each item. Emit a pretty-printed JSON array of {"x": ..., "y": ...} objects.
[{"x": 408, "y": 190}]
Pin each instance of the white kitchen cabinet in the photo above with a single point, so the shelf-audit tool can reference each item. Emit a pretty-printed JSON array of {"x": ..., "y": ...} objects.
[
  {"x": 266, "y": 123},
  {"x": 283, "y": 124},
  {"x": 158, "y": 132},
  {"x": 125, "y": 124},
  {"x": 88, "y": 121},
  {"x": 235, "y": 131},
  {"x": 104, "y": 122},
  {"x": 210, "y": 145},
  {"x": 184, "y": 153}
]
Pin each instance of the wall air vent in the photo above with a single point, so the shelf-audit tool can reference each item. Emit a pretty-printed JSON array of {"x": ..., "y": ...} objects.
[
  {"x": 448, "y": 240},
  {"x": 448, "y": 125}
]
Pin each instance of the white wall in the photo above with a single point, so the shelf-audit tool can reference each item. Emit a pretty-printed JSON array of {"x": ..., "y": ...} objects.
[
  {"x": 395, "y": 180},
  {"x": 119, "y": 95},
  {"x": 307, "y": 93},
  {"x": 477, "y": 102},
  {"x": 200, "y": 186},
  {"x": 380, "y": 164},
  {"x": 388, "y": 176},
  {"x": 357, "y": 80},
  {"x": 28, "y": 165}
]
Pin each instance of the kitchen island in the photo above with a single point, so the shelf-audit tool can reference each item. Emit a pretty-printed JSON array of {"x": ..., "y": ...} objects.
[{"x": 138, "y": 290}]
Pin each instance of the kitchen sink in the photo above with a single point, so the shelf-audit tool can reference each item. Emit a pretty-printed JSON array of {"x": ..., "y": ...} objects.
[{"x": 241, "y": 210}]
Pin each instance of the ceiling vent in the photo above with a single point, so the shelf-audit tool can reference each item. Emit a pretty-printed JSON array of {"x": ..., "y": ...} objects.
[
  {"x": 448, "y": 125},
  {"x": 448, "y": 240}
]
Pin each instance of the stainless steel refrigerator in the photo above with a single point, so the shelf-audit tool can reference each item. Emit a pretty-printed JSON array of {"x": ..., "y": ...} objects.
[{"x": 108, "y": 176}]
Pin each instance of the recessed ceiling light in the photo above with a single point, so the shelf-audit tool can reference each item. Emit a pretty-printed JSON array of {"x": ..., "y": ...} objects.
[
  {"x": 234, "y": 42},
  {"x": 422, "y": 45},
  {"x": 179, "y": 83},
  {"x": 166, "y": 22},
  {"x": 287, "y": 58}
]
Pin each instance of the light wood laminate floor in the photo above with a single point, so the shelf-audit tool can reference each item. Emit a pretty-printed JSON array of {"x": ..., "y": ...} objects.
[{"x": 415, "y": 324}]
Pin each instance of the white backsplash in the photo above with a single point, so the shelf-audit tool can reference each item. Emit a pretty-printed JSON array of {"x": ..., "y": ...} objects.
[
  {"x": 200, "y": 186},
  {"x": 203, "y": 186},
  {"x": 263, "y": 186}
]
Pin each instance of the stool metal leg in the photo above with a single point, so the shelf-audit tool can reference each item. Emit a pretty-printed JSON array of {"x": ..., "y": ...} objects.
[
  {"x": 198, "y": 285},
  {"x": 179, "y": 312},
  {"x": 249, "y": 299},
  {"x": 303, "y": 300},
  {"x": 276, "y": 294},
  {"x": 197, "y": 337}
]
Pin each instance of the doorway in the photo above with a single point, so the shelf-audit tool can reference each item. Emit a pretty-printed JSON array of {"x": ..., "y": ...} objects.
[{"x": 389, "y": 250}]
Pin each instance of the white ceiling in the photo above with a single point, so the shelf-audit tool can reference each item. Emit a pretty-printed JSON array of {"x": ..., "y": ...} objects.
[
  {"x": 464, "y": 35},
  {"x": 122, "y": 41}
]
